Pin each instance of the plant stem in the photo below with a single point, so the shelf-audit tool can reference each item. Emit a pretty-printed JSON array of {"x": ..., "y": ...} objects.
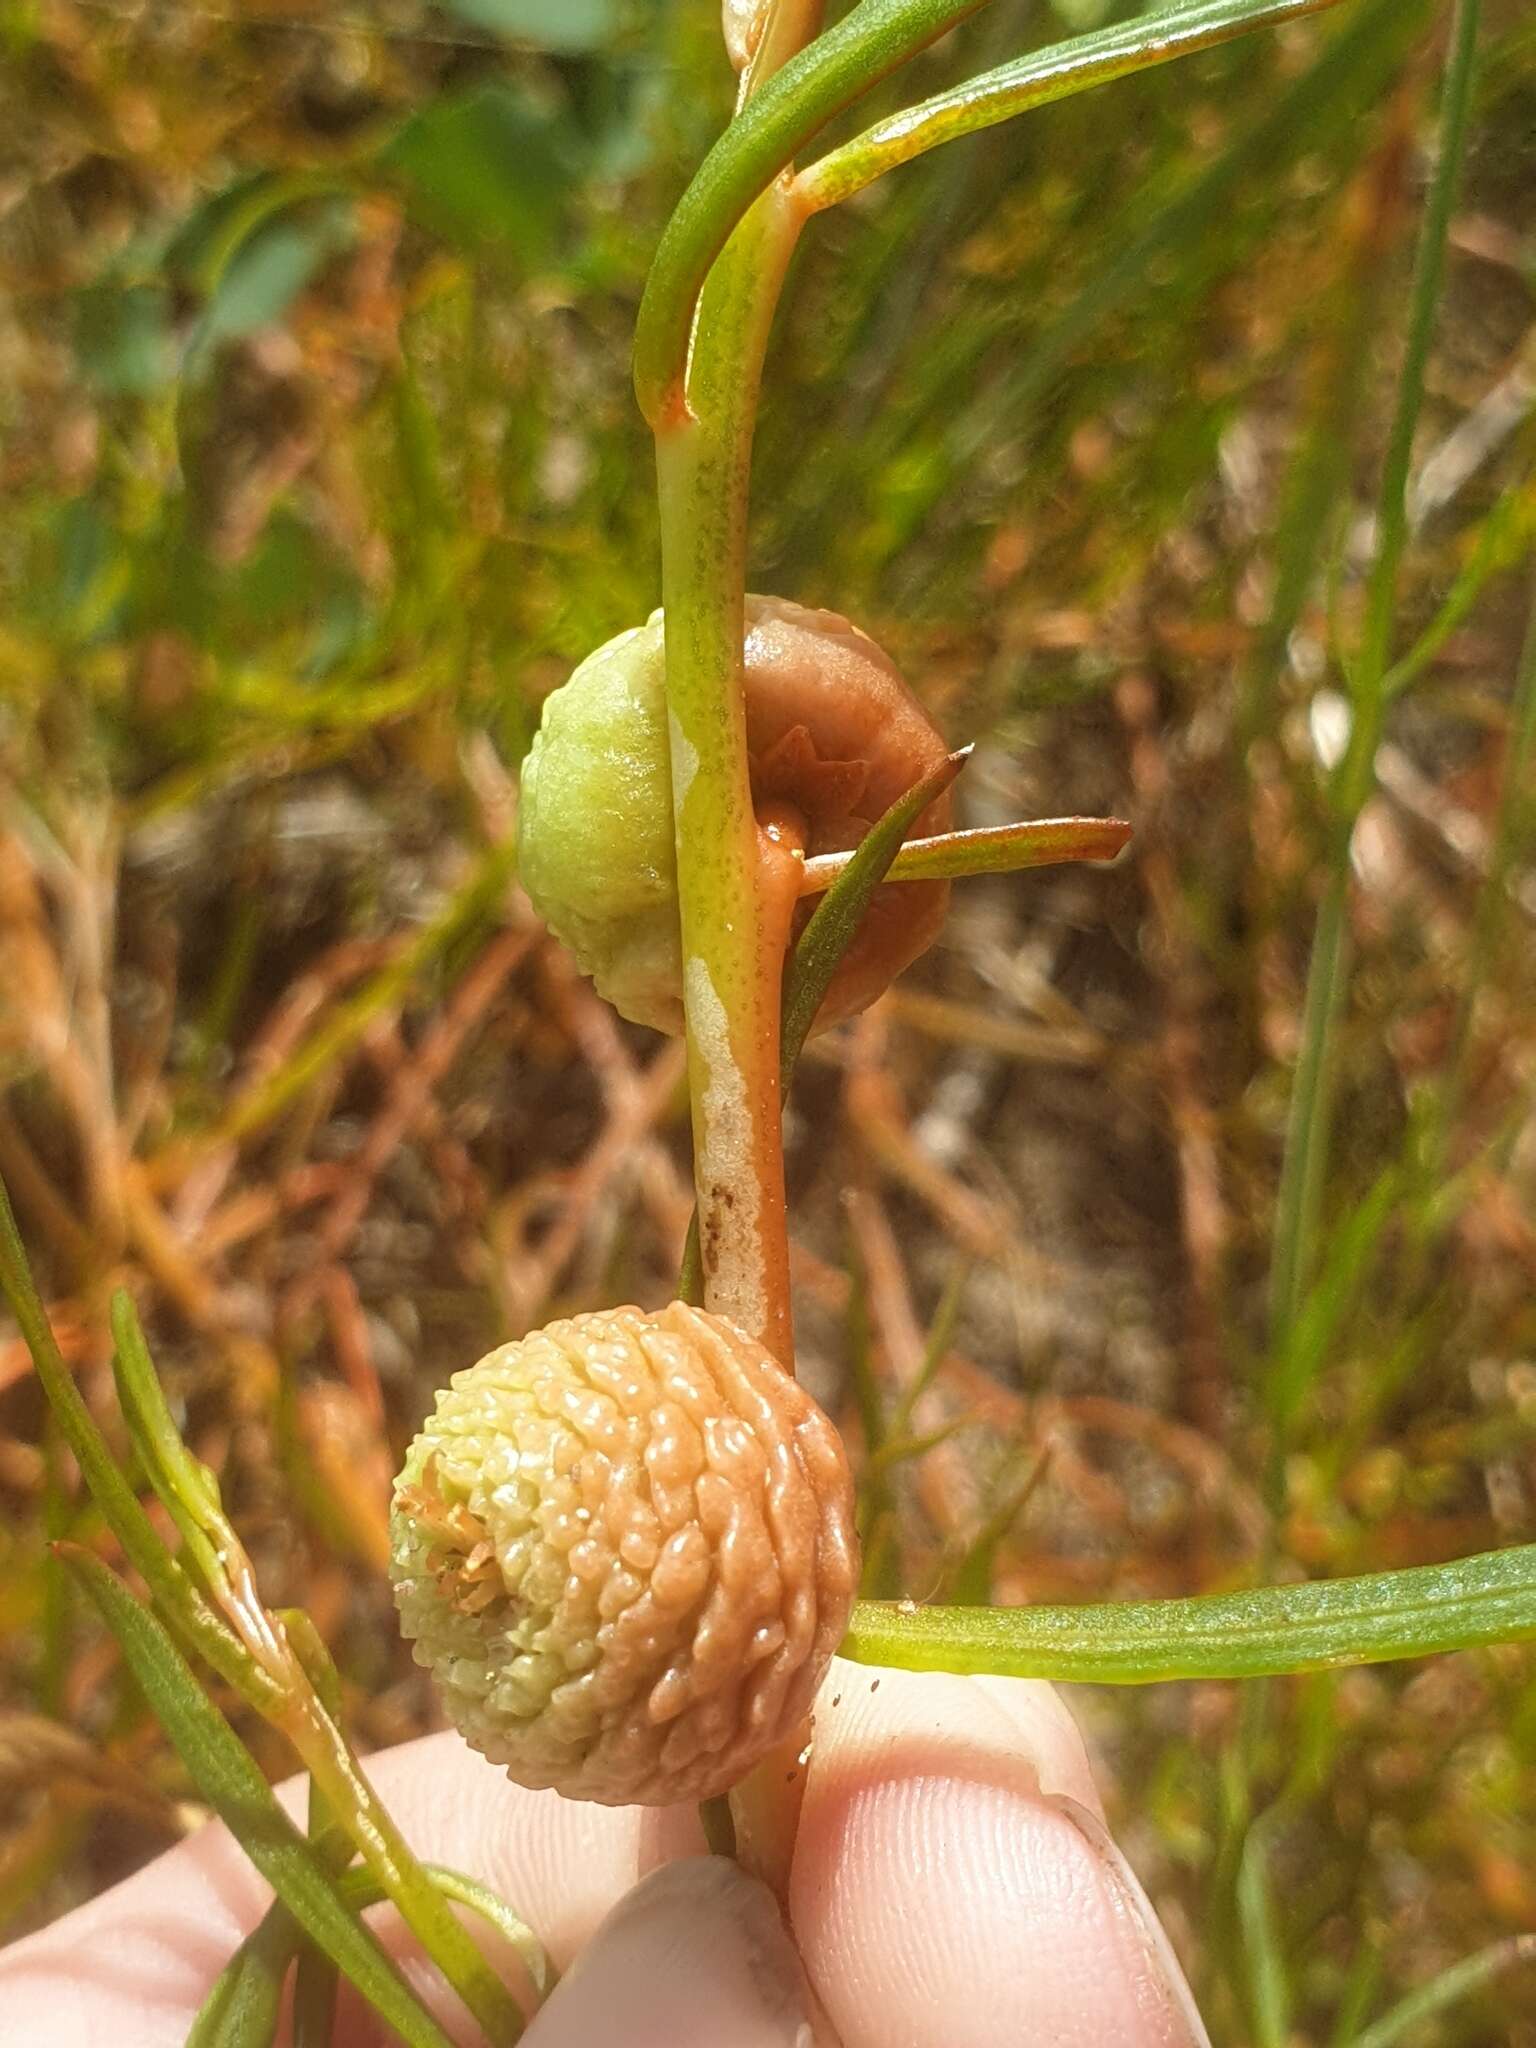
[
  {"x": 736, "y": 891},
  {"x": 786, "y": 111},
  {"x": 359, "y": 1810}
]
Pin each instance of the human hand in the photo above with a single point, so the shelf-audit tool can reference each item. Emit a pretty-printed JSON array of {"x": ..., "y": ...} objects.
[{"x": 952, "y": 1887}]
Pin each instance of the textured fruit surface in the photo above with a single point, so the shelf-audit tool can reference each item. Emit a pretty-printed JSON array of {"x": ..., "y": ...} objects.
[
  {"x": 624, "y": 1547},
  {"x": 834, "y": 735}
]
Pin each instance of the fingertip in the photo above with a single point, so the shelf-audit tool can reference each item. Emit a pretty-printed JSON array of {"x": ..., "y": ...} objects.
[
  {"x": 953, "y": 1883},
  {"x": 696, "y": 1956}
]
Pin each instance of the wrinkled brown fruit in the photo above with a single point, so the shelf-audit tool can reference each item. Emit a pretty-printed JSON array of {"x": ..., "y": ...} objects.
[{"x": 625, "y": 1548}]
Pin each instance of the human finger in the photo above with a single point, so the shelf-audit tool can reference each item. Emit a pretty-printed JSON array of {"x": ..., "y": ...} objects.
[
  {"x": 696, "y": 1956},
  {"x": 953, "y": 1884},
  {"x": 141, "y": 1957}
]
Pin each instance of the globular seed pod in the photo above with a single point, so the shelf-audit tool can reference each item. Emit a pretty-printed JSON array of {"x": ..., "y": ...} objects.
[
  {"x": 834, "y": 737},
  {"x": 625, "y": 1548}
]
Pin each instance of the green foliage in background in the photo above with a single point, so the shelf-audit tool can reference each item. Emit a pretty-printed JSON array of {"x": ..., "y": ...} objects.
[{"x": 321, "y": 466}]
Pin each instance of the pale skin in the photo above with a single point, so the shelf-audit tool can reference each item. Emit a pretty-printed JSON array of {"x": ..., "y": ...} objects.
[{"x": 952, "y": 1887}]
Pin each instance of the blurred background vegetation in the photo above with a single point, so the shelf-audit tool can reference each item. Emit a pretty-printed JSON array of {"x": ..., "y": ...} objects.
[{"x": 321, "y": 468}]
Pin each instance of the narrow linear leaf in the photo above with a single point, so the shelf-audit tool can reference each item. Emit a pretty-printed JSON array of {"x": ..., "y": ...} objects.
[
  {"x": 1036, "y": 80},
  {"x": 315, "y": 1976},
  {"x": 260, "y": 1964},
  {"x": 227, "y": 1776},
  {"x": 940, "y": 1336},
  {"x": 837, "y": 917},
  {"x": 1272, "y": 1630},
  {"x": 870, "y": 41},
  {"x": 987, "y": 850},
  {"x": 173, "y": 1591},
  {"x": 362, "y": 1889},
  {"x": 1263, "y": 1958},
  {"x": 243, "y": 2008},
  {"x": 187, "y": 1488},
  {"x": 1305, "y": 1349},
  {"x": 971, "y": 1582},
  {"x": 901, "y": 1450}
]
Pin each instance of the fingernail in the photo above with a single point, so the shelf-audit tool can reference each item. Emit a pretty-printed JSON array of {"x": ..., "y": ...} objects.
[
  {"x": 1183, "y": 2027},
  {"x": 694, "y": 1956}
]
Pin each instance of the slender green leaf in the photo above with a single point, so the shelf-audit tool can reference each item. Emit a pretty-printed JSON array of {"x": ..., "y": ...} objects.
[
  {"x": 257, "y": 1968},
  {"x": 244, "y": 2006},
  {"x": 1036, "y": 80},
  {"x": 987, "y": 850},
  {"x": 1270, "y": 1630},
  {"x": 315, "y": 1975},
  {"x": 227, "y": 1776},
  {"x": 1304, "y": 1350},
  {"x": 870, "y": 41},
  {"x": 174, "y": 1593},
  {"x": 837, "y": 917},
  {"x": 362, "y": 1889},
  {"x": 970, "y": 1582},
  {"x": 188, "y": 1490},
  {"x": 941, "y": 1334},
  {"x": 1268, "y": 1979}
]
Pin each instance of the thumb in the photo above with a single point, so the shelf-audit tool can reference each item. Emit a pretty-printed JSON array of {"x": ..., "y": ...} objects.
[
  {"x": 954, "y": 1885},
  {"x": 696, "y": 1956}
]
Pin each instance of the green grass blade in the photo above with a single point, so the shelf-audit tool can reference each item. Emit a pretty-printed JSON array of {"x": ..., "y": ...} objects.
[
  {"x": 1268, "y": 1993},
  {"x": 1272, "y": 1630},
  {"x": 1446, "y": 1990},
  {"x": 1307, "y": 1339},
  {"x": 1309, "y": 1127},
  {"x": 837, "y": 916},
  {"x": 941, "y": 1334},
  {"x": 227, "y": 1776},
  {"x": 970, "y": 1582}
]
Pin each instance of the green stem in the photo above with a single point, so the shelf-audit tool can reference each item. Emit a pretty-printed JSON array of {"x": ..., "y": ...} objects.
[
  {"x": 731, "y": 960},
  {"x": 1035, "y": 81},
  {"x": 359, "y": 1810},
  {"x": 1268, "y": 1631},
  {"x": 785, "y": 111}
]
